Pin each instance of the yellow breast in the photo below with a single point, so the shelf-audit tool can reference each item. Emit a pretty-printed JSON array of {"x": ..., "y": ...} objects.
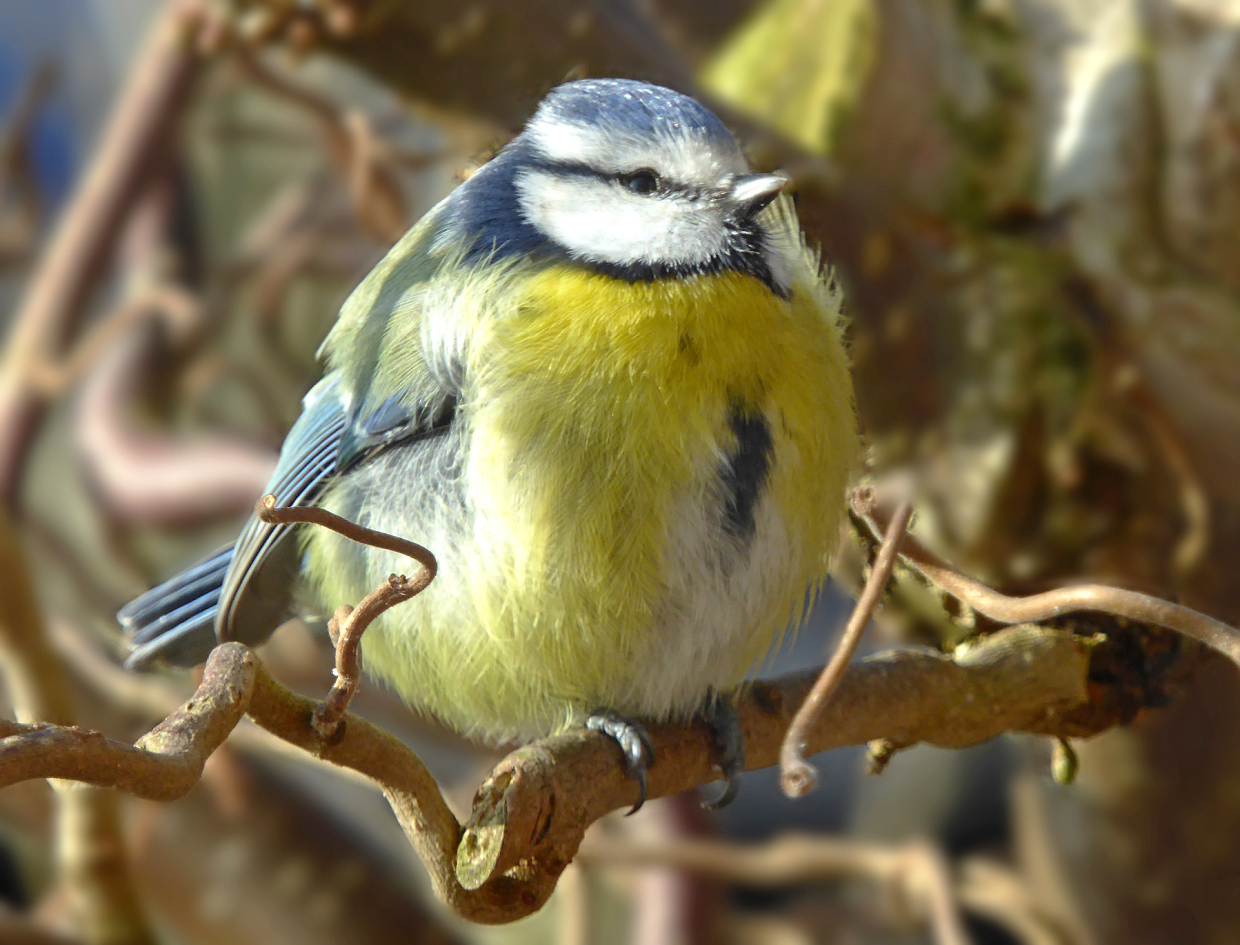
[
  {"x": 580, "y": 575},
  {"x": 601, "y": 410}
]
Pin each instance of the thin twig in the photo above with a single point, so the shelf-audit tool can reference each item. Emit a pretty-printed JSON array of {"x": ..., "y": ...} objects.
[
  {"x": 981, "y": 885},
  {"x": 19, "y": 197},
  {"x": 269, "y": 512},
  {"x": 1095, "y": 598},
  {"x": 935, "y": 872},
  {"x": 147, "y": 696},
  {"x": 168, "y": 762},
  {"x": 999, "y": 893},
  {"x": 797, "y": 777},
  {"x": 156, "y": 698},
  {"x": 352, "y": 623},
  {"x": 153, "y": 478},
  {"x": 349, "y": 623}
]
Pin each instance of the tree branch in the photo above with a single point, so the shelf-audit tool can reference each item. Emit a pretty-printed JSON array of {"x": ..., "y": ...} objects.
[{"x": 531, "y": 813}]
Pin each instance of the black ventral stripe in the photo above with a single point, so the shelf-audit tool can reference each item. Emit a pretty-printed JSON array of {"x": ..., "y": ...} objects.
[{"x": 745, "y": 469}]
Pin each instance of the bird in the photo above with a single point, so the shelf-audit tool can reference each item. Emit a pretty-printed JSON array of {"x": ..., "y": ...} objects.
[{"x": 605, "y": 381}]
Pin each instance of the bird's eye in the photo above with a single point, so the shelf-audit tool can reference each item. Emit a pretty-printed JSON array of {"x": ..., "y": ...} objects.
[{"x": 642, "y": 182}]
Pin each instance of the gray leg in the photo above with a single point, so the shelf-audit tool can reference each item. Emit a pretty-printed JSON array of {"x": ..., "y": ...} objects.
[
  {"x": 634, "y": 743},
  {"x": 725, "y": 725}
]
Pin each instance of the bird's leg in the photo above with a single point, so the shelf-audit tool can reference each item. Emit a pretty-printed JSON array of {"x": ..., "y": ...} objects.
[
  {"x": 634, "y": 743},
  {"x": 725, "y": 726}
]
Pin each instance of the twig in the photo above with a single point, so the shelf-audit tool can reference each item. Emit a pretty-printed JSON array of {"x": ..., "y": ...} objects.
[
  {"x": 554, "y": 788},
  {"x": 1097, "y": 598},
  {"x": 798, "y": 777},
  {"x": 982, "y": 885},
  {"x": 269, "y": 512},
  {"x": 168, "y": 761},
  {"x": 349, "y": 624},
  {"x": 999, "y": 893},
  {"x": 94, "y": 868},
  {"x": 347, "y": 627},
  {"x": 935, "y": 873},
  {"x": 35, "y": 683},
  {"x": 158, "y": 85},
  {"x": 151, "y": 697}
]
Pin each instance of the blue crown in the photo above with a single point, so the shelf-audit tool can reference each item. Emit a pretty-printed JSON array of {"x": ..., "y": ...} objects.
[
  {"x": 629, "y": 105},
  {"x": 483, "y": 211}
]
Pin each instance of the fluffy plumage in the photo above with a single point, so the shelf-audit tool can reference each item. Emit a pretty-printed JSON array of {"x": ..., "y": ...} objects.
[{"x": 628, "y": 453}]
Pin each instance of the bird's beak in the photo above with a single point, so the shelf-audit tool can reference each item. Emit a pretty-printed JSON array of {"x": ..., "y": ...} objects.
[{"x": 751, "y": 192}]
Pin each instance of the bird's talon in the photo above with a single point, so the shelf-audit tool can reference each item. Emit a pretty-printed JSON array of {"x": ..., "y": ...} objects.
[
  {"x": 726, "y": 797},
  {"x": 634, "y": 744},
  {"x": 725, "y": 727}
]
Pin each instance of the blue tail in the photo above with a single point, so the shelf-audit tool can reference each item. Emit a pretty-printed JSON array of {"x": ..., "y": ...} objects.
[{"x": 175, "y": 622}]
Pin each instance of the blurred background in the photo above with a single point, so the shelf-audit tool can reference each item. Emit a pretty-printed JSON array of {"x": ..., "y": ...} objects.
[{"x": 1034, "y": 208}]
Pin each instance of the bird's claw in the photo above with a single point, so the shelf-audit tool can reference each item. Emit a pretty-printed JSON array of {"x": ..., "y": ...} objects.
[
  {"x": 633, "y": 742},
  {"x": 725, "y": 726}
]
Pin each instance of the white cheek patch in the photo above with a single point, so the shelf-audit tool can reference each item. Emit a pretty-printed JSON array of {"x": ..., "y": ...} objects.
[
  {"x": 683, "y": 156},
  {"x": 596, "y": 220}
]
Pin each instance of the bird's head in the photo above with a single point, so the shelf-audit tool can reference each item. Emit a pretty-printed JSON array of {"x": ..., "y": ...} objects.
[{"x": 632, "y": 179}]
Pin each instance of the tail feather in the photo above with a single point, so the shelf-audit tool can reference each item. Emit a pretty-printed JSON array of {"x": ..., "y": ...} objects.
[{"x": 175, "y": 622}]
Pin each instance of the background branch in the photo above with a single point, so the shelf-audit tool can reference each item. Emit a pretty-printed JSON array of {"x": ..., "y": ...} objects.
[
  {"x": 1097, "y": 598},
  {"x": 93, "y": 868},
  {"x": 149, "y": 106}
]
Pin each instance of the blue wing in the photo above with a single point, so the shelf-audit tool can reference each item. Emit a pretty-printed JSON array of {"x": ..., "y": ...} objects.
[
  {"x": 245, "y": 591},
  {"x": 258, "y": 586}
]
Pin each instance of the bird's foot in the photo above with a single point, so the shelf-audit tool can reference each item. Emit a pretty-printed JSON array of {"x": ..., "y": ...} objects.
[
  {"x": 725, "y": 726},
  {"x": 634, "y": 743}
]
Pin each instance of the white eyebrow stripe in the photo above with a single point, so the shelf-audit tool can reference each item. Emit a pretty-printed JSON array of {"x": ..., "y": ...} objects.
[{"x": 687, "y": 157}]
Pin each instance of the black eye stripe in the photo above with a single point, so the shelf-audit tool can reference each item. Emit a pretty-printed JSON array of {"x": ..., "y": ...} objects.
[{"x": 664, "y": 186}]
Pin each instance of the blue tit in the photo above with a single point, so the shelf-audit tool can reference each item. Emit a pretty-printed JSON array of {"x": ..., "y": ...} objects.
[{"x": 605, "y": 382}]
